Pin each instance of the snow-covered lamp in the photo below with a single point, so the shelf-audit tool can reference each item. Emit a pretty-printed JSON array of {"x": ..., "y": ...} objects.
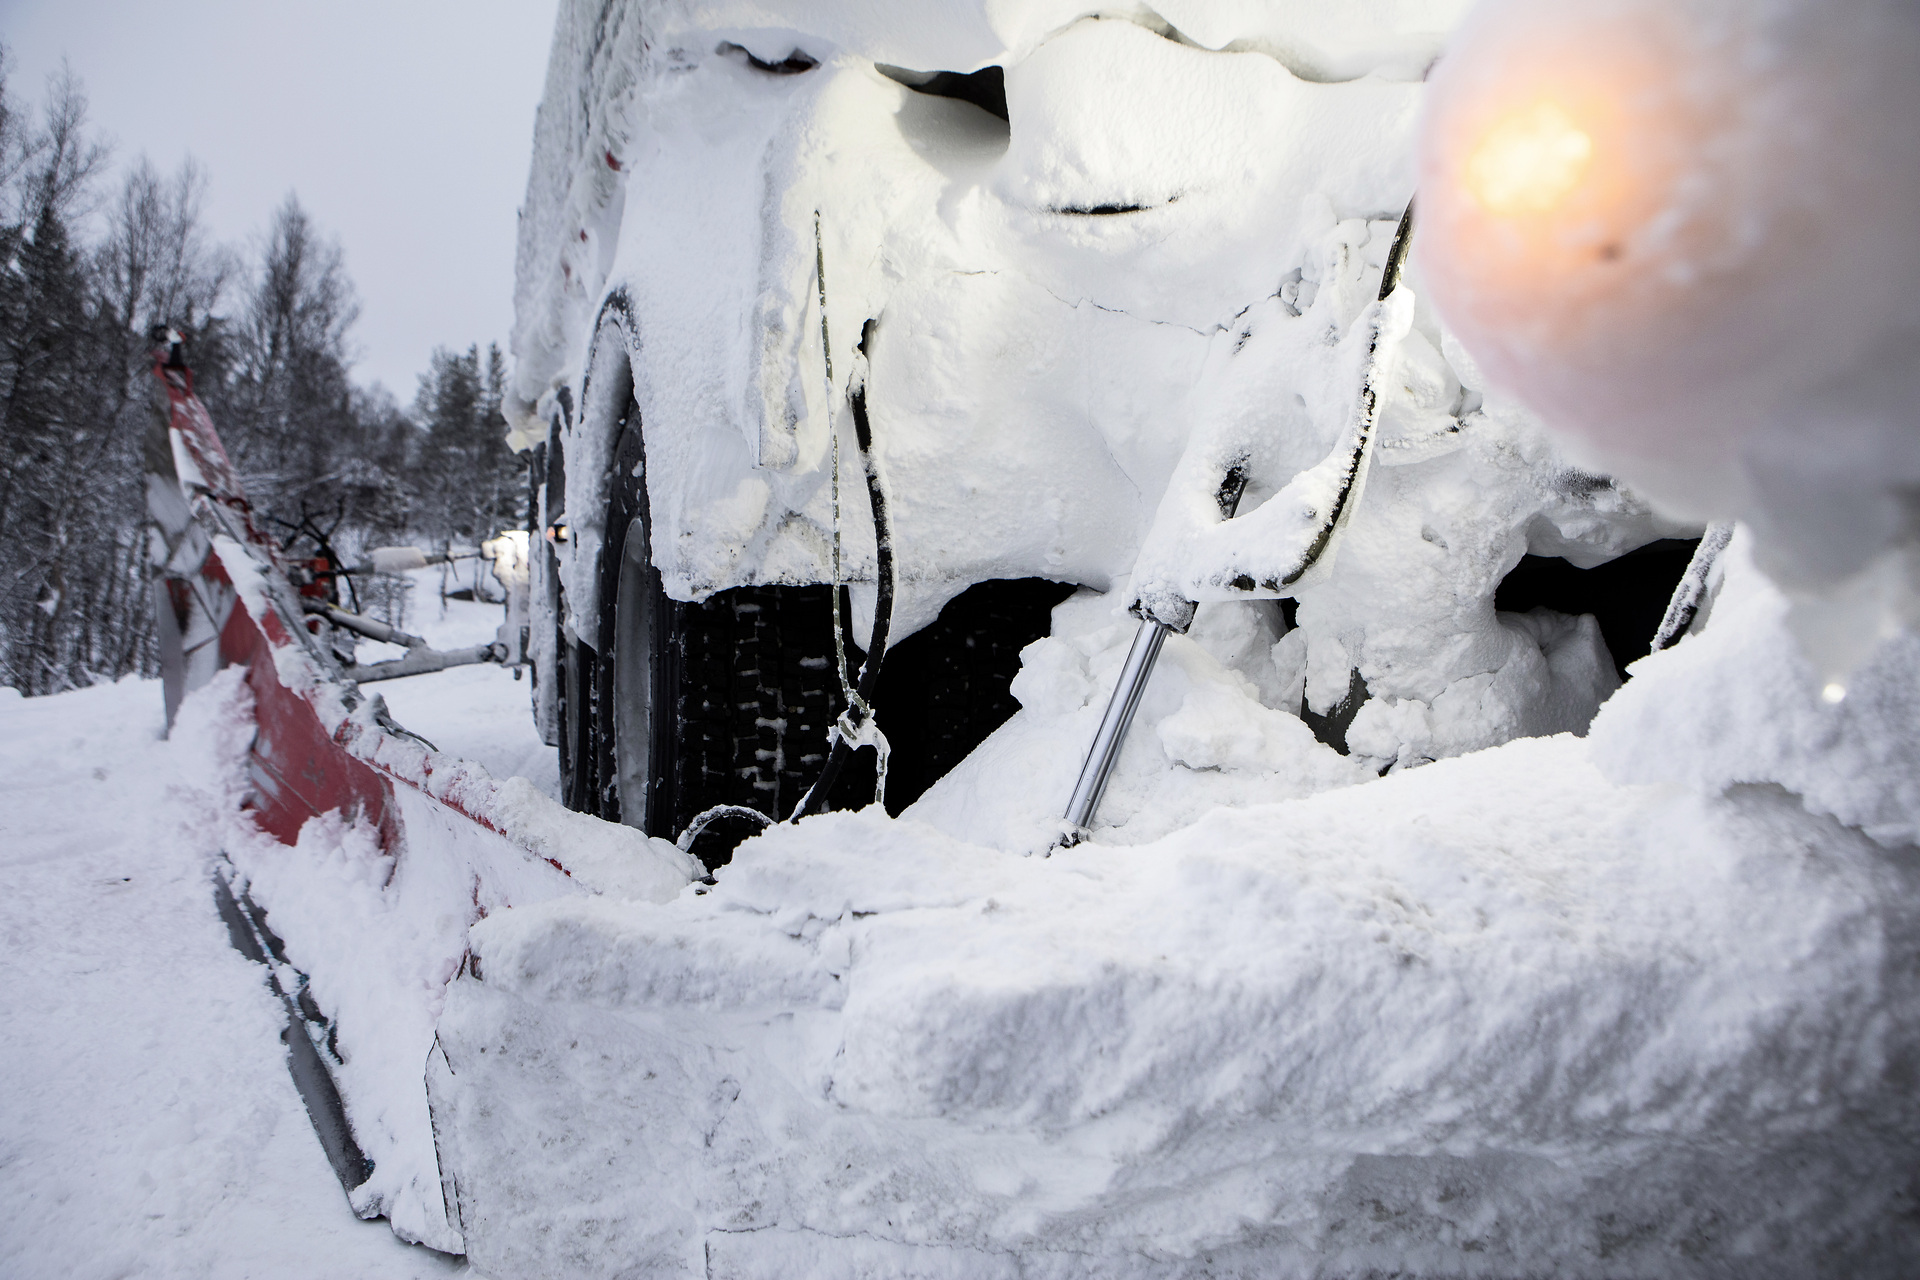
[{"x": 1687, "y": 233}]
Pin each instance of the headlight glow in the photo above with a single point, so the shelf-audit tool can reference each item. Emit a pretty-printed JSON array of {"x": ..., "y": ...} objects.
[
  {"x": 1681, "y": 231},
  {"x": 1529, "y": 161}
]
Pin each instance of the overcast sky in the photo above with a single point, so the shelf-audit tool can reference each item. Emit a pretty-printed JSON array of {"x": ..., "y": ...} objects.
[{"x": 404, "y": 125}]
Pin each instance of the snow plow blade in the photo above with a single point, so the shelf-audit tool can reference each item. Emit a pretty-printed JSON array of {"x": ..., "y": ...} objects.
[
  {"x": 311, "y": 1075},
  {"x": 332, "y": 780}
]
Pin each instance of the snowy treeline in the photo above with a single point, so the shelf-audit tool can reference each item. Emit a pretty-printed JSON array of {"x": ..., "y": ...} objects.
[{"x": 88, "y": 265}]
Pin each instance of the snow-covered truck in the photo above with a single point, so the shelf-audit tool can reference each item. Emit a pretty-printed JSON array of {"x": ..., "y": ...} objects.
[
  {"x": 985, "y": 339},
  {"x": 994, "y": 290}
]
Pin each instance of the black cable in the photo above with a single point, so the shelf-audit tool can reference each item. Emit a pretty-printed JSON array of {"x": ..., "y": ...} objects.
[{"x": 816, "y": 798}]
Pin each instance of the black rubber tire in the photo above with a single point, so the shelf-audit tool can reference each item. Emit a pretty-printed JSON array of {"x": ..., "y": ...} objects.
[
  {"x": 947, "y": 686},
  {"x": 575, "y": 679},
  {"x": 543, "y": 677},
  {"x": 579, "y": 743},
  {"x": 686, "y": 706},
  {"x": 640, "y": 644}
]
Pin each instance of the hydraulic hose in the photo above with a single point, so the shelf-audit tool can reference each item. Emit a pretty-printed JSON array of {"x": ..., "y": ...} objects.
[{"x": 861, "y": 710}]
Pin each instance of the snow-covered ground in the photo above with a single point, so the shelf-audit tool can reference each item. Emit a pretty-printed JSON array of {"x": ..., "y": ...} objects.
[
  {"x": 150, "y": 1128},
  {"x": 1650, "y": 1008},
  {"x": 1636, "y": 1002}
]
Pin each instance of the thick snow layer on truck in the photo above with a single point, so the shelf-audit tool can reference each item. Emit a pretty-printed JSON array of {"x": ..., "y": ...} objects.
[{"x": 1053, "y": 296}]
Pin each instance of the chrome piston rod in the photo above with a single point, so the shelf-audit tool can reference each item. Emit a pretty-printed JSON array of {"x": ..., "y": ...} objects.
[
  {"x": 1113, "y": 726},
  {"x": 1152, "y": 634}
]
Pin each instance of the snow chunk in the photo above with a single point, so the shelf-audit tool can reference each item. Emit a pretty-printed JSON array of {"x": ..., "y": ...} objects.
[
  {"x": 1738, "y": 704},
  {"x": 1713, "y": 302}
]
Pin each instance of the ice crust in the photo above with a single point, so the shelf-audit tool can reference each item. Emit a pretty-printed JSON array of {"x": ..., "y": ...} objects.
[{"x": 1638, "y": 1004}]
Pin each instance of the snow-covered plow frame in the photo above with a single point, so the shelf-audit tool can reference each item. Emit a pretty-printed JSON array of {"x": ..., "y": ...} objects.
[
  {"x": 225, "y": 584},
  {"x": 322, "y": 751},
  {"x": 1416, "y": 966}
]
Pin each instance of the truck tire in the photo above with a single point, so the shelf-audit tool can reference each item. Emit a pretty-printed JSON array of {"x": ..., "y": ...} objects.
[
  {"x": 575, "y": 675},
  {"x": 690, "y": 705}
]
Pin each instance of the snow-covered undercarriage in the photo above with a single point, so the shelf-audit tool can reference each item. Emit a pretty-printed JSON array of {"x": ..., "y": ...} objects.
[{"x": 1077, "y": 268}]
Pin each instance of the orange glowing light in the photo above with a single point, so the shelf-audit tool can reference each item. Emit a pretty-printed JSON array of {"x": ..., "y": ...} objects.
[{"x": 1529, "y": 161}]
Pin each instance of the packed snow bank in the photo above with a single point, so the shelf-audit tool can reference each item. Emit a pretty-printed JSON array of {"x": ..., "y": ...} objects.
[
  {"x": 1504, "y": 1014},
  {"x": 150, "y": 1128},
  {"x": 1749, "y": 716}
]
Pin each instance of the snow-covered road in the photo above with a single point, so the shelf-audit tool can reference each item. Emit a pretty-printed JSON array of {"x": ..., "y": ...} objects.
[{"x": 149, "y": 1127}]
